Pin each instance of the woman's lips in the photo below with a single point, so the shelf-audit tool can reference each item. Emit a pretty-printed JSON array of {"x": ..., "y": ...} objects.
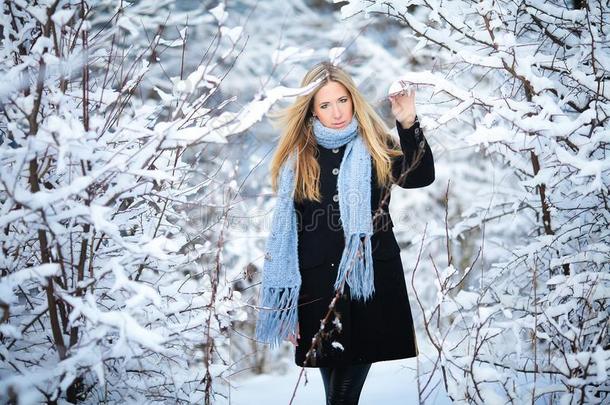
[{"x": 340, "y": 124}]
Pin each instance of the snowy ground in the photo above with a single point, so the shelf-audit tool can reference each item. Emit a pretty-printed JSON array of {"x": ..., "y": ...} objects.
[{"x": 389, "y": 382}]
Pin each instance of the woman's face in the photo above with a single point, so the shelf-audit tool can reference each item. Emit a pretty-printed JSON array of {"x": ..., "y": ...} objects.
[{"x": 332, "y": 104}]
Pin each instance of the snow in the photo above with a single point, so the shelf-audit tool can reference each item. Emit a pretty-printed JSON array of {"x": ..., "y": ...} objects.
[
  {"x": 232, "y": 33},
  {"x": 62, "y": 16},
  {"x": 129, "y": 25},
  {"x": 41, "y": 45},
  {"x": 337, "y": 345},
  {"x": 219, "y": 13},
  {"x": 38, "y": 12},
  {"x": 9, "y": 283},
  {"x": 335, "y": 54},
  {"x": 157, "y": 206},
  {"x": 388, "y": 382},
  {"x": 290, "y": 54}
]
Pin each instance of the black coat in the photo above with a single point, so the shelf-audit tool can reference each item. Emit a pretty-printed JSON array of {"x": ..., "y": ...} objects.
[{"x": 381, "y": 328}]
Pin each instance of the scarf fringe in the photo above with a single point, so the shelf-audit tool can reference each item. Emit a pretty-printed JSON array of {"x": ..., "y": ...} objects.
[
  {"x": 278, "y": 314},
  {"x": 358, "y": 260}
]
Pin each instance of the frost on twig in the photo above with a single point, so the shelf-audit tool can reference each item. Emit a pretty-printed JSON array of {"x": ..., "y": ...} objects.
[{"x": 523, "y": 315}]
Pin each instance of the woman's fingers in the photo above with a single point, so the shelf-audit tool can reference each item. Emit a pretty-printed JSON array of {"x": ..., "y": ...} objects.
[
  {"x": 406, "y": 94},
  {"x": 402, "y": 99}
]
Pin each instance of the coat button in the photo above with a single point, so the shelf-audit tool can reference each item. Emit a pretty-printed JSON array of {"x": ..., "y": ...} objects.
[
  {"x": 332, "y": 265},
  {"x": 336, "y": 197},
  {"x": 336, "y": 150},
  {"x": 335, "y": 171}
]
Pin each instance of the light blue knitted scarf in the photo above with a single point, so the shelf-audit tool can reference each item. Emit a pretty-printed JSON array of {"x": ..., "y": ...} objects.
[{"x": 281, "y": 278}]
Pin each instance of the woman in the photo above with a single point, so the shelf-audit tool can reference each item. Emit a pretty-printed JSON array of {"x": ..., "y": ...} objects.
[{"x": 332, "y": 233}]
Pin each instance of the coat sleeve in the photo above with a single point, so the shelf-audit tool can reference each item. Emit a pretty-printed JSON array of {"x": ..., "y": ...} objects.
[{"x": 412, "y": 141}]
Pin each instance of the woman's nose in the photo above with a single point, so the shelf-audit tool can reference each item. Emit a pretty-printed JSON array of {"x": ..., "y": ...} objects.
[{"x": 336, "y": 112}]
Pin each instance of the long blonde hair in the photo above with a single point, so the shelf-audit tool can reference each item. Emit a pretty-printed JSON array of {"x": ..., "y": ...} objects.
[{"x": 298, "y": 137}]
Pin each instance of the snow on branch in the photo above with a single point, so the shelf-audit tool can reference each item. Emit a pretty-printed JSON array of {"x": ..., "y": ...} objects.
[
  {"x": 97, "y": 184},
  {"x": 526, "y": 85}
]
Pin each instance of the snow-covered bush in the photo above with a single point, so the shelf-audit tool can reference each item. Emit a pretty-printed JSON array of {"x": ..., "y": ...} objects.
[
  {"x": 526, "y": 83},
  {"x": 105, "y": 295}
]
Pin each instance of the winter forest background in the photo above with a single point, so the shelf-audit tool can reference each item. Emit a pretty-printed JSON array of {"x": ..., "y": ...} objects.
[{"x": 135, "y": 198}]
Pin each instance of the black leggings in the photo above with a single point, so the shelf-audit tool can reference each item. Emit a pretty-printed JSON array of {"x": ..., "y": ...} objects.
[{"x": 344, "y": 384}]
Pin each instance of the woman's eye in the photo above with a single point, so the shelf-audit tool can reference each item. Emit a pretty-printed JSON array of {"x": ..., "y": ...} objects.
[
  {"x": 323, "y": 106},
  {"x": 343, "y": 100}
]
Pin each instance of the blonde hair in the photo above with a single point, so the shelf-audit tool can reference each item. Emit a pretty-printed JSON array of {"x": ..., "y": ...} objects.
[{"x": 298, "y": 137}]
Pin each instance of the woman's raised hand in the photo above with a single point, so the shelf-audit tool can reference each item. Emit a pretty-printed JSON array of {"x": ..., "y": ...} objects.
[{"x": 403, "y": 107}]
